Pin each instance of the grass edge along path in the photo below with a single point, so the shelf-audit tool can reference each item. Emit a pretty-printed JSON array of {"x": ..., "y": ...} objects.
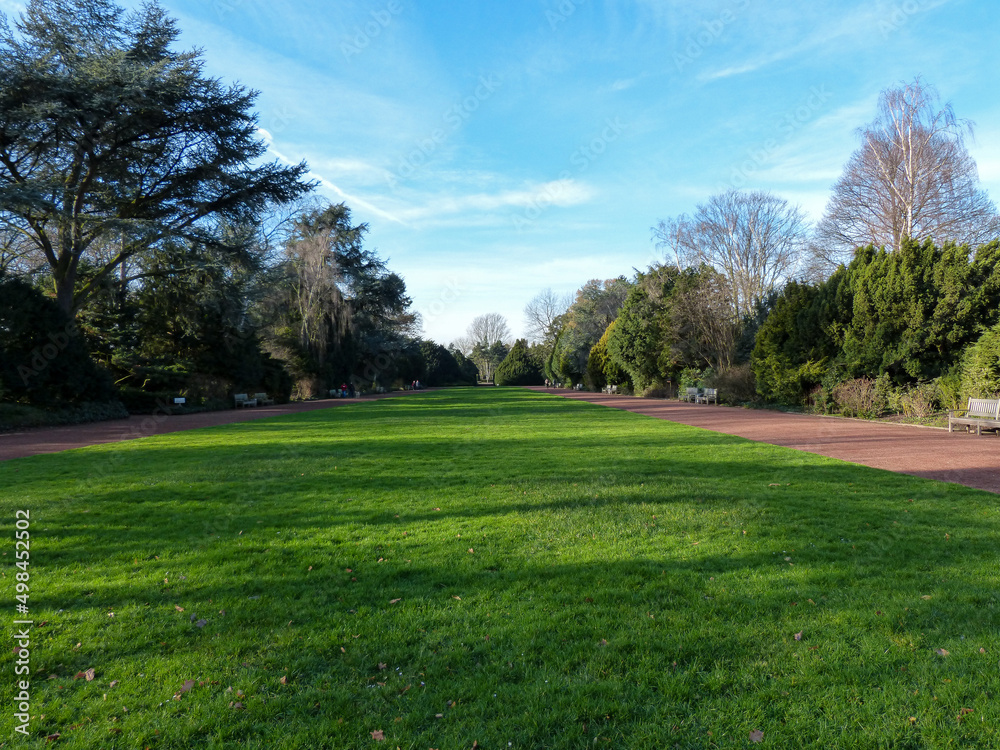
[
  {"x": 501, "y": 567},
  {"x": 932, "y": 453}
]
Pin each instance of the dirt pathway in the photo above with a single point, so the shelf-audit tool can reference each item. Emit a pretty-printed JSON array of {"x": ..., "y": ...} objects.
[{"x": 957, "y": 457}]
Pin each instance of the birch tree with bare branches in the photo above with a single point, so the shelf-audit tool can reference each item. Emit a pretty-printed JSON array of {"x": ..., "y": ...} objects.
[{"x": 912, "y": 177}]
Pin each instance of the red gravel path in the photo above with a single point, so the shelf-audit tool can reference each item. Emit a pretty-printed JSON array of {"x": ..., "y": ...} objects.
[
  {"x": 37, "y": 440},
  {"x": 959, "y": 457}
]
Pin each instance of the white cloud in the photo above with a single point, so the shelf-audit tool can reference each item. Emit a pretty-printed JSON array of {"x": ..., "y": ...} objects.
[
  {"x": 562, "y": 193},
  {"x": 860, "y": 26}
]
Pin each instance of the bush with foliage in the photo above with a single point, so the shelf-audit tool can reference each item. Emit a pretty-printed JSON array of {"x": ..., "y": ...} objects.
[
  {"x": 906, "y": 315},
  {"x": 443, "y": 368},
  {"x": 43, "y": 357},
  {"x": 640, "y": 340},
  {"x": 735, "y": 385},
  {"x": 981, "y": 366},
  {"x": 519, "y": 367},
  {"x": 601, "y": 368}
]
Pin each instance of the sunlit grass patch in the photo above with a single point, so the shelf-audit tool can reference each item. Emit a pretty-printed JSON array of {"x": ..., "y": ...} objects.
[{"x": 501, "y": 567}]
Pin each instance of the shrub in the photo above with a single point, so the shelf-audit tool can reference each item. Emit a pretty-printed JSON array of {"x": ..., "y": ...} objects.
[
  {"x": 655, "y": 391},
  {"x": 921, "y": 400},
  {"x": 858, "y": 397},
  {"x": 19, "y": 416},
  {"x": 950, "y": 389},
  {"x": 43, "y": 358},
  {"x": 737, "y": 385},
  {"x": 981, "y": 366},
  {"x": 518, "y": 367}
]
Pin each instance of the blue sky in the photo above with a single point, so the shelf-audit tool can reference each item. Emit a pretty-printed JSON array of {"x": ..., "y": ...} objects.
[{"x": 499, "y": 148}]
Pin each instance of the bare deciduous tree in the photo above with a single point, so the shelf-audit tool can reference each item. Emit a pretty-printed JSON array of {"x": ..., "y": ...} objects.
[
  {"x": 542, "y": 312},
  {"x": 487, "y": 330},
  {"x": 753, "y": 238},
  {"x": 669, "y": 236},
  {"x": 911, "y": 177},
  {"x": 489, "y": 336}
]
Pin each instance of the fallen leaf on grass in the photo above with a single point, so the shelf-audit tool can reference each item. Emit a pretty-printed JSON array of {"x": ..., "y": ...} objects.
[
  {"x": 378, "y": 735},
  {"x": 113, "y": 683},
  {"x": 395, "y": 601},
  {"x": 798, "y": 636},
  {"x": 88, "y": 675},
  {"x": 756, "y": 736},
  {"x": 52, "y": 737},
  {"x": 471, "y": 551},
  {"x": 457, "y": 597},
  {"x": 982, "y": 650},
  {"x": 382, "y": 665},
  {"x": 179, "y": 609},
  {"x": 283, "y": 680},
  {"x": 237, "y": 706},
  {"x": 913, "y": 719},
  {"x": 201, "y": 623},
  {"x": 926, "y": 597},
  {"x": 942, "y": 652},
  {"x": 188, "y": 684}
]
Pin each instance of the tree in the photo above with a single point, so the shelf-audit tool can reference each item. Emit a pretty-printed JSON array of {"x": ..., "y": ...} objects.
[
  {"x": 112, "y": 142},
  {"x": 487, "y": 330},
  {"x": 753, "y": 238},
  {"x": 487, "y": 358},
  {"x": 442, "y": 367},
  {"x": 489, "y": 336},
  {"x": 640, "y": 342},
  {"x": 541, "y": 314},
  {"x": 904, "y": 315},
  {"x": 702, "y": 329},
  {"x": 336, "y": 313},
  {"x": 518, "y": 367},
  {"x": 601, "y": 368},
  {"x": 43, "y": 357},
  {"x": 596, "y": 305},
  {"x": 911, "y": 177}
]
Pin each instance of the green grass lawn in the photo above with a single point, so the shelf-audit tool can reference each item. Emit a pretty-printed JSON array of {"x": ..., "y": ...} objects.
[{"x": 499, "y": 567}]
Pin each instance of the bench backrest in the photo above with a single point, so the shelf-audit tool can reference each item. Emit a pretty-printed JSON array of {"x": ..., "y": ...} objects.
[
  {"x": 241, "y": 397},
  {"x": 987, "y": 408},
  {"x": 692, "y": 391}
]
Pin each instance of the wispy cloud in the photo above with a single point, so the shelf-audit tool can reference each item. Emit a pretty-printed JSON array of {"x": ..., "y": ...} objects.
[
  {"x": 354, "y": 200},
  {"x": 859, "y": 26},
  {"x": 563, "y": 193}
]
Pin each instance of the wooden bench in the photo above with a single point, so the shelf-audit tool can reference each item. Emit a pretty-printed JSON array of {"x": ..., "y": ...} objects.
[
  {"x": 609, "y": 389},
  {"x": 244, "y": 400},
  {"x": 709, "y": 394},
  {"x": 691, "y": 394},
  {"x": 980, "y": 413},
  {"x": 263, "y": 399}
]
